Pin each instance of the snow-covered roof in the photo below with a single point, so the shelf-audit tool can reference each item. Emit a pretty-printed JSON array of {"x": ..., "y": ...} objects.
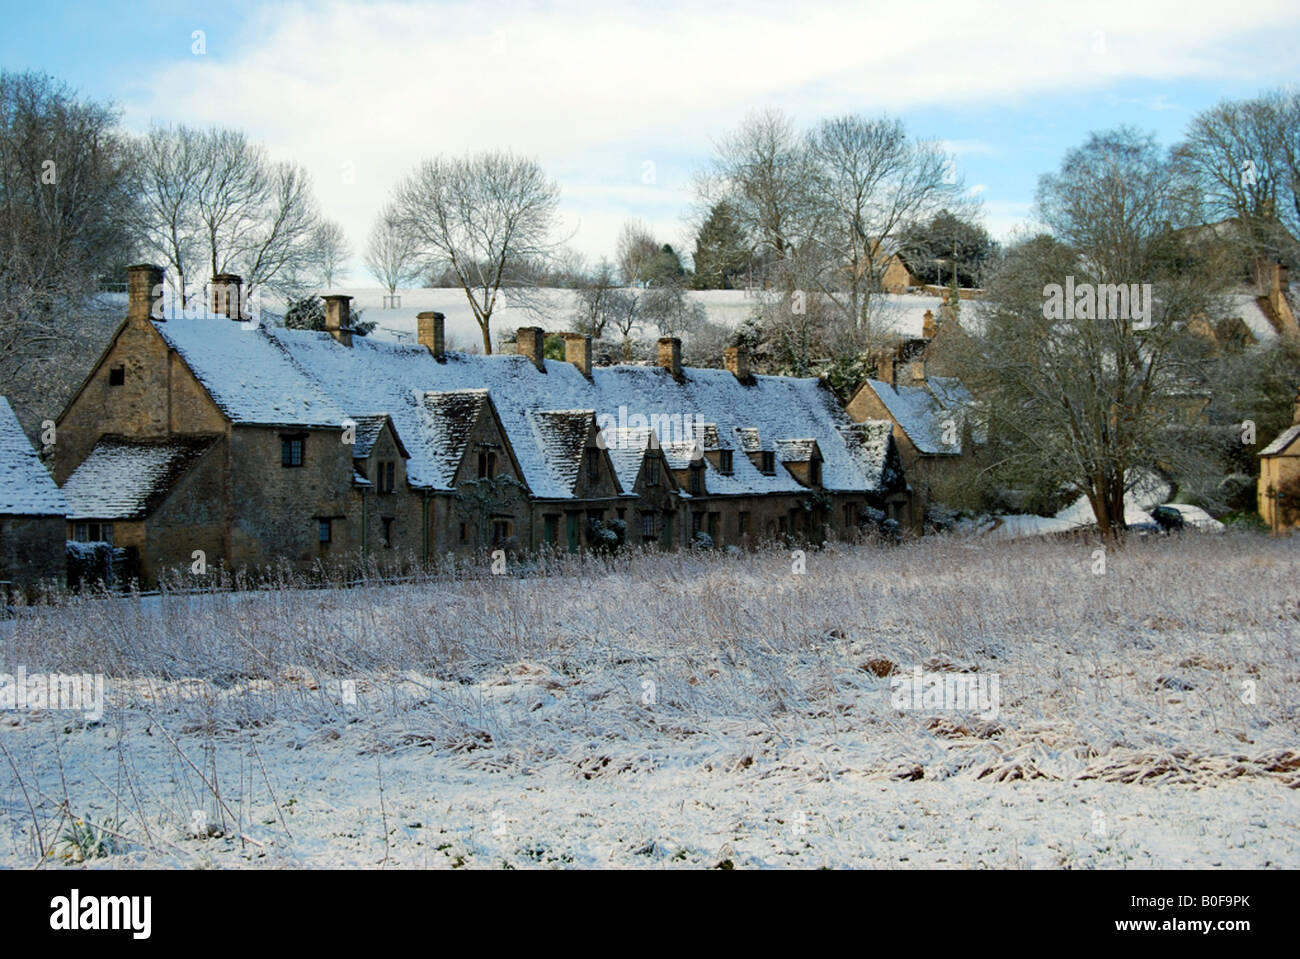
[
  {"x": 796, "y": 450},
  {"x": 444, "y": 430},
  {"x": 26, "y": 489},
  {"x": 368, "y": 429},
  {"x": 750, "y": 441},
  {"x": 926, "y": 413},
  {"x": 562, "y": 437},
  {"x": 126, "y": 479},
  {"x": 1246, "y": 306},
  {"x": 1282, "y": 442},
  {"x": 868, "y": 444},
  {"x": 274, "y": 375},
  {"x": 627, "y": 448}
]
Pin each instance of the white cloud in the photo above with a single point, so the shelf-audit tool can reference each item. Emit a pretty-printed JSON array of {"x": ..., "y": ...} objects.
[{"x": 597, "y": 90}]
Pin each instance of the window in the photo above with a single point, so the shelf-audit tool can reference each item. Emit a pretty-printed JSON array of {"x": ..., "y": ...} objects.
[
  {"x": 593, "y": 465},
  {"x": 744, "y": 524},
  {"x": 325, "y": 529},
  {"x": 815, "y": 472},
  {"x": 93, "y": 533},
  {"x": 387, "y": 476},
  {"x": 387, "y": 523},
  {"x": 487, "y": 465},
  {"x": 651, "y": 471},
  {"x": 647, "y": 525},
  {"x": 464, "y": 532},
  {"x": 697, "y": 522},
  {"x": 117, "y": 376},
  {"x": 502, "y": 530},
  {"x": 551, "y": 528},
  {"x": 724, "y": 462},
  {"x": 291, "y": 448},
  {"x": 767, "y": 462},
  {"x": 850, "y": 515},
  {"x": 697, "y": 480}
]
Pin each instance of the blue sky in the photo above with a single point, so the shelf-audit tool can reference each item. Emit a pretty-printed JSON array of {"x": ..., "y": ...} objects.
[{"x": 621, "y": 102}]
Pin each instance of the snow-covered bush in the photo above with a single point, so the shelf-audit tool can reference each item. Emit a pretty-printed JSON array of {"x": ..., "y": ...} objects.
[{"x": 702, "y": 540}]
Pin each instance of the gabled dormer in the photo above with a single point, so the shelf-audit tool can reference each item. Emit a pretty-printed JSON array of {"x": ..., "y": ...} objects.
[
  {"x": 574, "y": 450},
  {"x": 802, "y": 458}
]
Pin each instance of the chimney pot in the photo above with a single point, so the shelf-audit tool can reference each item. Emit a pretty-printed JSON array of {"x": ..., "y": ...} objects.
[
  {"x": 144, "y": 286},
  {"x": 670, "y": 355},
  {"x": 927, "y": 325},
  {"x": 433, "y": 333},
  {"x": 227, "y": 296},
  {"x": 577, "y": 350},
  {"x": 530, "y": 341},
  {"x": 918, "y": 371},
  {"x": 338, "y": 318},
  {"x": 736, "y": 360}
]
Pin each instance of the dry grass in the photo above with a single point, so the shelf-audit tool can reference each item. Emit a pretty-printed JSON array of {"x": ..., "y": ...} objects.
[{"x": 728, "y": 664}]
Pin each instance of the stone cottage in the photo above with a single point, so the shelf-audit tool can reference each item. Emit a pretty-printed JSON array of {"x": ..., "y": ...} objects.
[
  {"x": 1279, "y": 479},
  {"x": 221, "y": 439},
  {"x": 32, "y": 514}
]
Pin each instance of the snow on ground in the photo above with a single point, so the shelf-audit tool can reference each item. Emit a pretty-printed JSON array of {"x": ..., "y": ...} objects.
[
  {"x": 1148, "y": 492},
  {"x": 903, "y": 314},
  {"x": 688, "y": 711}
]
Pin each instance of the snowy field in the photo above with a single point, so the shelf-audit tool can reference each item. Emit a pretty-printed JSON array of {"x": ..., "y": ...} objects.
[
  {"x": 555, "y": 311},
  {"x": 684, "y": 711}
]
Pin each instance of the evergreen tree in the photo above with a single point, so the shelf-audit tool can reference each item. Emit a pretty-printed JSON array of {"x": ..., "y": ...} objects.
[{"x": 721, "y": 254}]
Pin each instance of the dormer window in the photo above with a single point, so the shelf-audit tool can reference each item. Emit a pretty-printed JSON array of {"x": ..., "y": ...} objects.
[
  {"x": 651, "y": 472},
  {"x": 815, "y": 472},
  {"x": 724, "y": 462},
  {"x": 387, "y": 476},
  {"x": 697, "y": 480},
  {"x": 117, "y": 376},
  {"x": 593, "y": 466},
  {"x": 487, "y": 465},
  {"x": 767, "y": 463}
]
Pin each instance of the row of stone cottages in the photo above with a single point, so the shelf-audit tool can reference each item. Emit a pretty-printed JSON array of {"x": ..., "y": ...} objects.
[{"x": 247, "y": 445}]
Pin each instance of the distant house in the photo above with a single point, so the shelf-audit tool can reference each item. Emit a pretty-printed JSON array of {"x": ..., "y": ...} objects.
[
  {"x": 891, "y": 267},
  {"x": 932, "y": 419},
  {"x": 32, "y": 513},
  {"x": 1279, "y": 479}
]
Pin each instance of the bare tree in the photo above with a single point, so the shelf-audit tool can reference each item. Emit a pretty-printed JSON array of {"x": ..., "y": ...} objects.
[
  {"x": 869, "y": 178},
  {"x": 488, "y": 217},
  {"x": 637, "y": 249},
  {"x": 213, "y": 200},
  {"x": 624, "y": 310},
  {"x": 65, "y": 201},
  {"x": 1086, "y": 385},
  {"x": 392, "y": 255},
  {"x": 330, "y": 252},
  {"x": 762, "y": 171},
  {"x": 595, "y": 290},
  {"x": 1244, "y": 157}
]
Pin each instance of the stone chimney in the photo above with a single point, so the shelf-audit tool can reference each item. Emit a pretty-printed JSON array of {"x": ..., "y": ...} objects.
[
  {"x": 577, "y": 350},
  {"x": 918, "y": 371},
  {"x": 927, "y": 325},
  {"x": 432, "y": 330},
  {"x": 736, "y": 360},
  {"x": 670, "y": 355},
  {"x": 886, "y": 365},
  {"x": 144, "y": 285},
  {"x": 530, "y": 341},
  {"x": 227, "y": 296},
  {"x": 338, "y": 318}
]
